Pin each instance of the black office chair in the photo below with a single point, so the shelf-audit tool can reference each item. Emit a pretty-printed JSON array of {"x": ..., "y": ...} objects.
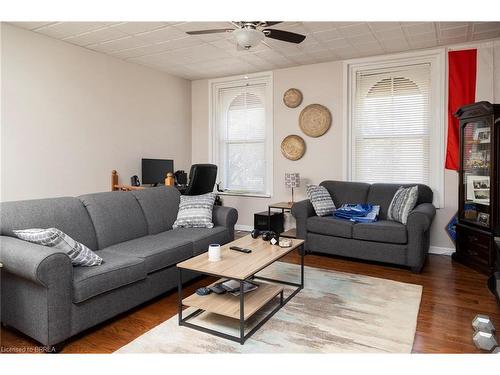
[{"x": 201, "y": 179}]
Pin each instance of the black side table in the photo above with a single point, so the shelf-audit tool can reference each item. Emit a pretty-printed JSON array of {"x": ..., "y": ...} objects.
[{"x": 284, "y": 207}]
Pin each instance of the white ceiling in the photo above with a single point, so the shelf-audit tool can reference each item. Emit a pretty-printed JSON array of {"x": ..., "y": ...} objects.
[{"x": 166, "y": 46}]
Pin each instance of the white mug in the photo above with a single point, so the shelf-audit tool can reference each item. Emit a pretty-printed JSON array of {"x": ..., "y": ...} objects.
[{"x": 213, "y": 252}]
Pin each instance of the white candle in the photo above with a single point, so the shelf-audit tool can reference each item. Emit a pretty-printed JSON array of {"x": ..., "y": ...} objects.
[{"x": 213, "y": 252}]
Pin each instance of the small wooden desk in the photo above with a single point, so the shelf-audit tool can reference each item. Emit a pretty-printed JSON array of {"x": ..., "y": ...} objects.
[{"x": 283, "y": 206}]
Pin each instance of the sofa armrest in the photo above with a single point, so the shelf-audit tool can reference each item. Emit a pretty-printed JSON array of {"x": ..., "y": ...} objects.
[
  {"x": 34, "y": 262},
  {"x": 301, "y": 211},
  {"x": 418, "y": 227},
  {"x": 421, "y": 216},
  {"x": 224, "y": 216}
]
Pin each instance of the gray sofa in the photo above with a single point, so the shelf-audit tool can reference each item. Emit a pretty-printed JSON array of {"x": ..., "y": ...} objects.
[
  {"x": 383, "y": 241},
  {"x": 45, "y": 297}
]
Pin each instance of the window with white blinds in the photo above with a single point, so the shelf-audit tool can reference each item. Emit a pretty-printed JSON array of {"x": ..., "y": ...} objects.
[
  {"x": 391, "y": 125},
  {"x": 396, "y": 120},
  {"x": 243, "y": 136}
]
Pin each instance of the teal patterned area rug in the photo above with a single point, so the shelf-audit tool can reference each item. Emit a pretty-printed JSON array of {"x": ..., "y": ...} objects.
[{"x": 335, "y": 313}]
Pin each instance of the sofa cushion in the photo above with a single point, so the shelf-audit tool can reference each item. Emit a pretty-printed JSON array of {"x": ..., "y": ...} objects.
[
  {"x": 199, "y": 237},
  {"x": 320, "y": 199},
  {"x": 382, "y": 194},
  {"x": 117, "y": 217},
  {"x": 330, "y": 225},
  {"x": 116, "y": 271},
  {"x": 381, "y": 231},
  {"x": 403, "y": 202},
  {"x": 159, "y": 205},
  {"x": 346, "y": 192},
  {"x": 157, "y": 251},
  {"x": 66, "y": 214},
  {"x": 195, "y": 211}
]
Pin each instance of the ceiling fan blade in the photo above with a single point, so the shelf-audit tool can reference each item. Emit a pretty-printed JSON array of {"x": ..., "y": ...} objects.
[
  {"x": 212, "y": 31},
  {"x": 285, "y": 36},
  {"x": 272, "y": 23}
]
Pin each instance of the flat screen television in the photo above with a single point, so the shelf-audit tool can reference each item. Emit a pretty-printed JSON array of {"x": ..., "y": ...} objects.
[{"x": 154, "y": 171}]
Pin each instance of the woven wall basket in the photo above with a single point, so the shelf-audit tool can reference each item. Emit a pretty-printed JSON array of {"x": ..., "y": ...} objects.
[
  {"x": 315, "y": 120},
  {"x": 292, "y": 98},
  {"x": 293, "y": 147}
]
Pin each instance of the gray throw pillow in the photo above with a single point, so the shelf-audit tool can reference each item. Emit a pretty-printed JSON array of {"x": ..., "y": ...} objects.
[
  {"x": 320, "y": 199},
  {"x": 404, "y": 200},
  {"x": 195, "y": 211},
  {"x": 79, "y": 254}
]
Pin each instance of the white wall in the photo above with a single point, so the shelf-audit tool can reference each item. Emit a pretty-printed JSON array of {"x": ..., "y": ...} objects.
[
  {"x": 324, "y": 158},
  {"x": 70, "y": 116}
]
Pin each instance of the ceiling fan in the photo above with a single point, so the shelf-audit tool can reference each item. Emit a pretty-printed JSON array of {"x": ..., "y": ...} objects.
[{"x": 250, "y": 33}]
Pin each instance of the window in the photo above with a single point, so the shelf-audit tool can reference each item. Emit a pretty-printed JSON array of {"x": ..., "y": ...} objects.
[
  {"x": 242, "y": 134},
  {"x": 396, "y": 125}
]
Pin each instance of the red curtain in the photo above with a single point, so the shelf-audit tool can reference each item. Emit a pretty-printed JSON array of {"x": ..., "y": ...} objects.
[{"x": 461, "y": 90}]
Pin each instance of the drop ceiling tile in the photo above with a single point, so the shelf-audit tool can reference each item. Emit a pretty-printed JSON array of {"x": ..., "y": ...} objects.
[
  {"x": 424, "y": 44},
  {"x": 451, "y": 25},
  {"x": 147, "y": 50},
  {"x": 420, "y": 28},
  {"x": 139, "y": 27},
  {"x": 30, "y": 25},
  {"x": 453, "y": 40},
  {"x": 337, "y": 43},
  {"x": 361, "y": 39},
  {"x": 118, "y": 44},
  {"x": 395, "y": 45},
  {"x": 431, "y": 36},
  {"x": 319, "y": 26},
  {"x": 390, "y": 34},
  {"x": 384, "y": 26},
  {"x": 181, "y": 43},
  {"x": 486, "y": 35},
  {"x": 481, "y": 27},
  {"x": 354, "y": 30},
  {"x": 327, "y": 35},
  {"x": 62, "y": 30},
  {"x": 194, "y": 26},
  {"x": 453, "y": 32},
  {"x": 97, "y": 36},
  {"x": 161, "y": 35},
  {"x": 370, "y": 48}
]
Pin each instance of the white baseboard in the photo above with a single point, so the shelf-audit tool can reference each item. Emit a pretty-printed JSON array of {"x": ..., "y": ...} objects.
[
  {"x": 246, "y": 228},
  {"x": 441, "y": 250}
]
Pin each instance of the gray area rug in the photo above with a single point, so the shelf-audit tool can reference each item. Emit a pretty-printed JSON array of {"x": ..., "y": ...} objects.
[{"x": 335, "y": 313}]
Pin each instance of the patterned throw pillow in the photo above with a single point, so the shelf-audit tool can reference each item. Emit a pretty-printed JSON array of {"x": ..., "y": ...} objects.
[
  {"x": 402, "y": 203},
  {"x": 195, "y": 211},
  {"x": 320, "y": 199},
  {"x": 79, "y": 254}
]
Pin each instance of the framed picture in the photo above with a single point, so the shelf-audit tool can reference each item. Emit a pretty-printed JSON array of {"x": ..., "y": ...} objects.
[
  {"x": 482, "y": 135},
  {"x": 478, "y": 189},
  {"x": 483, "y": 219}
]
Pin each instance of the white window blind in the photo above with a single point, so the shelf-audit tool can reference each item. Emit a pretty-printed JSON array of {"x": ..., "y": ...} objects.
[
  {"x": 242, "y": 127},
  {"x": 391, "y": 135}
]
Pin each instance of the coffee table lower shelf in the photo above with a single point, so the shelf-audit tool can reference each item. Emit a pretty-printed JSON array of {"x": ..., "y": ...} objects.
[{"x": 229, "y": 305}]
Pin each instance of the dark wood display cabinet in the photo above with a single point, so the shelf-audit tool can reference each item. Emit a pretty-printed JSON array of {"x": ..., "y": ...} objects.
[{"x": 479, "y": 194}]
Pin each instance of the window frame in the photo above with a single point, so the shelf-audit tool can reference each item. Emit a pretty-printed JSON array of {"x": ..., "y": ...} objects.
[
  {"x": 436, "y": 59},
  {"x": 215, "y": 85}
]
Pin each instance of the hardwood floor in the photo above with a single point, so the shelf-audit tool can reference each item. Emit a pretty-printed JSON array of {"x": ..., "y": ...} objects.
[{"x": 452, "y": 295}]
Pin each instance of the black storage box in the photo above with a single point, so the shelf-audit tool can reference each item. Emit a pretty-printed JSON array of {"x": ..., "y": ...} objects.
[{"x": 260, "y": 221}]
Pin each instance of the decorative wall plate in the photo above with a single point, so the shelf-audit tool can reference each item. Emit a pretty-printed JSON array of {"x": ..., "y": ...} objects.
[
  {"x": 293, "y": 147},
  {"x": 315, "y": 120},
  {"x": 292, "y": 98}
]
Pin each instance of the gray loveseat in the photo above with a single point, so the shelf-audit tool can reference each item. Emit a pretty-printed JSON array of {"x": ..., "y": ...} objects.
[
  {"x": 383, "y": 241},
  {"x": 48, "y": 299}
]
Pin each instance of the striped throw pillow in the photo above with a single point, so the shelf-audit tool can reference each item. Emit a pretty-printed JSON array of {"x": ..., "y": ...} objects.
[
  {"x": 195, "y": 211},
  {"x": 402, "y": 203},
  {"x": 79, "y": 254},
  {"x": 320, "y": 199}
]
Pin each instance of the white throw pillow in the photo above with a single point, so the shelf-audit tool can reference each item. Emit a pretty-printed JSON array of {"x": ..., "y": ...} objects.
[
  {"x": 195, "y": 211},
  {"x": 320, "y": 199},
  {"x": 402, "y": 203},
  {"x": 79, "y": 254}
]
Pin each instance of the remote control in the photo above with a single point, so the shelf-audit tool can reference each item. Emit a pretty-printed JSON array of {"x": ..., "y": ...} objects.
[{"x": 240, "y": 249}]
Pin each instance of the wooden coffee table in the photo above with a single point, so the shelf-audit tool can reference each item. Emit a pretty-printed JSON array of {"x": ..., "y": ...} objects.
[{"x": 241, "y": 267}]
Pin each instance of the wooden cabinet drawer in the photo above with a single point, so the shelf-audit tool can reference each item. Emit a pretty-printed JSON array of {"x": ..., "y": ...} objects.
[{"x": 474, "y": 245}]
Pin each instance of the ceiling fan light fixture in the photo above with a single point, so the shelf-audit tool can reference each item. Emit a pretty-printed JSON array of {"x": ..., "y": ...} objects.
[{"x": 248, "y": 37}]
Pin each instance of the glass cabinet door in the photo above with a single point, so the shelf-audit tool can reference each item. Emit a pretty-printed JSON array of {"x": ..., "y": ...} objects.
[{"x": 476, "y": 166}]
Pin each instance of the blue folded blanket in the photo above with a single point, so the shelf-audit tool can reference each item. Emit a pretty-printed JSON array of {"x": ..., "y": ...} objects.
[{"x": 362, "y": 213}]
